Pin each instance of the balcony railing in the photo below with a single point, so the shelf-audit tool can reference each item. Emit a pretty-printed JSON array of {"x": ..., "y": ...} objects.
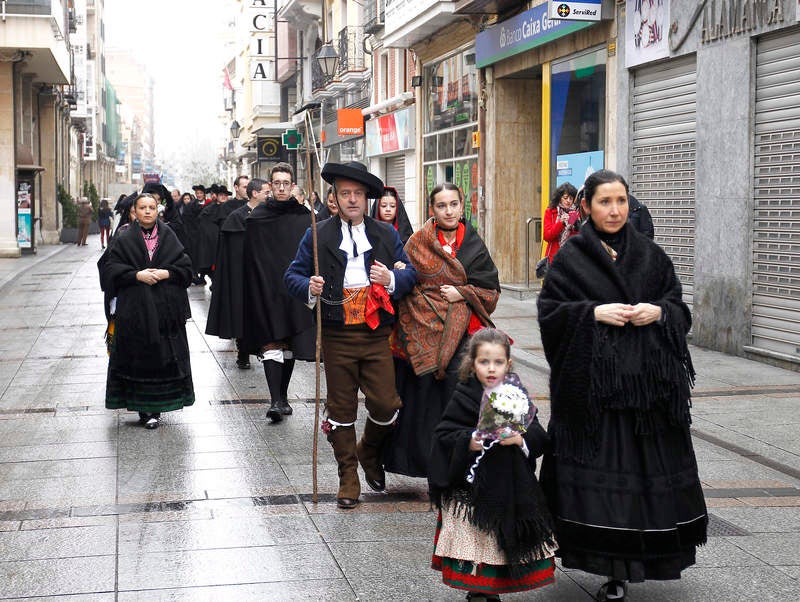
[
  {"x": 351, "y": 50},
  {"x": 374, "y": 11}
]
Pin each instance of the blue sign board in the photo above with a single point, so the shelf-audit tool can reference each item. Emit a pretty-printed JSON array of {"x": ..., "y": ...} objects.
[
  {"x": 521, "y": 33},
  {"x": 575, "y": 168}
]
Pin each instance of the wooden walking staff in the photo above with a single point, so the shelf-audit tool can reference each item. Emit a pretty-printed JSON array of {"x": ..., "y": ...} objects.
[{"x": 317, "y": 354}]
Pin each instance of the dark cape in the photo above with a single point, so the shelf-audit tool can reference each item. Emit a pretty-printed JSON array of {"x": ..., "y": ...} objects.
[
  {"x": 622, "y": 480},
  {"x": 272, "y": 234},
  {"x": 208, "y": 224},
  {"x": 149, "y": 368},
  {"x": 189, "y": 216},
  {"x": 401, "y": 222},
  {"x": 225, "y": 312},
  {"x": 505, "y": 499},
  {"x": 433, "y": 333}
]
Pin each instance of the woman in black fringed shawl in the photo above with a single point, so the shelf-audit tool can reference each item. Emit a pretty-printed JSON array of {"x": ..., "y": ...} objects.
[
  {"x": 148, "y": 272},
  {"x": 495, "y": 535},
  {"x": 622, "y": 481}
]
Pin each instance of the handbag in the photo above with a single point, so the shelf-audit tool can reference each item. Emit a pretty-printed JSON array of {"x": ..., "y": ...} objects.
[{"x": 542, "y": 266}]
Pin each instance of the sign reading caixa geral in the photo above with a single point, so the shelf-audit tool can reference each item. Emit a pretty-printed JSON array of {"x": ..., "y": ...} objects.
[{"x": 521, "y": 33}]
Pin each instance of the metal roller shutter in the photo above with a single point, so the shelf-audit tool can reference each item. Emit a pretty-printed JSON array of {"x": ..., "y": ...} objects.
[
  {"x": 776, "y": 233},
  {"x": 663, "y": 157},
  {"x": 395, "y": 170}
]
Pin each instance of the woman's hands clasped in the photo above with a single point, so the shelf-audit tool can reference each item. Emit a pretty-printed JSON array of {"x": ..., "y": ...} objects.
[
  {"x": 619, "y": 314},
  {"x": 151, "y": 276}
]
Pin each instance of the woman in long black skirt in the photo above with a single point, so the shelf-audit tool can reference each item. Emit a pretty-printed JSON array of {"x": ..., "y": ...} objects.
[
  {"x": 147, "y": 270},
  {"x": 622, "y": 480}
]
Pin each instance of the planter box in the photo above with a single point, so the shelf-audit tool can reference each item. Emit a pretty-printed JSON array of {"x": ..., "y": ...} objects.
[{"x": 69, "y": 235}]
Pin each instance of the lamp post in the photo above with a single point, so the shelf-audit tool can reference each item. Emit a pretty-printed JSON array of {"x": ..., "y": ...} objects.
[{"x": 327, "y": 58}]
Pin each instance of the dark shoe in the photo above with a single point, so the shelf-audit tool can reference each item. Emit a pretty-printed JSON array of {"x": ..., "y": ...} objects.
[
  {"x": 346, "y": 503},
  {"x": 152, "y": 423},
  {"x": 613, "y": 590},
  {"x": 242, "y": 364},
  {"x": 274, "y": 413},
  {"x": 284, "y": 407},
  {"x": 143, "y": 417}
]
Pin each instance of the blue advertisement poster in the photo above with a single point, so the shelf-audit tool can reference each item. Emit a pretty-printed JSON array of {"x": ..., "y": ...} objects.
[{"x": 575, "y": 168}]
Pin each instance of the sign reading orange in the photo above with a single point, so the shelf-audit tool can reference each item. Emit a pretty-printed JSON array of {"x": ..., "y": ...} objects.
[{"x": 350, "y": 122}]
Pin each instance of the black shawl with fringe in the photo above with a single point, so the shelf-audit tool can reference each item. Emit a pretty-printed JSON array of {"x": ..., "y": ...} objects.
[
  {"x": 596, "y": 367},
  {"x": 145, "y": 313},
  {"x": 505, "y": 499}
]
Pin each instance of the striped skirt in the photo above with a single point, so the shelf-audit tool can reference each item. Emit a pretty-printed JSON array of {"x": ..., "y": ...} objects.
[{"x": 491, "y": 578}]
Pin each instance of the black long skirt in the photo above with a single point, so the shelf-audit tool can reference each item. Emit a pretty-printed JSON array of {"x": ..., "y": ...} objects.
[
  {"x": 424, "y": 400},
  {"x": 636, "y": 511}
]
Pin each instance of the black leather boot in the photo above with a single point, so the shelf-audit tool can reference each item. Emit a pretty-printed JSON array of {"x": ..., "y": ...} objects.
[
  {"x": 273, "y": 371},
  {"x": 286, "y": 376}
]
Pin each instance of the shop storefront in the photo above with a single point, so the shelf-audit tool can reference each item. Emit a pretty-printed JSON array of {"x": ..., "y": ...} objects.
[
  {"x": 546, "y": 97},
  {"x": 712, "y": 139}
]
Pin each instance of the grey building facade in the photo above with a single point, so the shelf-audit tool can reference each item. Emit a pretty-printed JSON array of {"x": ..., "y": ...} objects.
[{"x": 710, "y": 140}]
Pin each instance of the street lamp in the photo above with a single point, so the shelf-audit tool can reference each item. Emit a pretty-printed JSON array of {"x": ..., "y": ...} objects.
[
  {"x": 327, "y": 58},
  {"x": 235, "y": 129}
]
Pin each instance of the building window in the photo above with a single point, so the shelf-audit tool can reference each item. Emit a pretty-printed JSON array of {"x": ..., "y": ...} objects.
[
  {"x": 577, "y": 119},
  {"x": 450, "y": 123}
]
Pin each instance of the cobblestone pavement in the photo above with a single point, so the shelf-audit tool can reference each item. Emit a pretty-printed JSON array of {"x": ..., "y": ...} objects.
[{"x": 216, "y": 503}]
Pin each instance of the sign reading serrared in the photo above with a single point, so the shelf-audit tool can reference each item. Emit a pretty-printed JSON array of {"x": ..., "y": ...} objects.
[{"x": 350, "y": 122}]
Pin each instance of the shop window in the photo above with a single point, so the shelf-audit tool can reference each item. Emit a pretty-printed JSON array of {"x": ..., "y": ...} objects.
[
  {"x": 577, "y": 121},
  {"x": 450, "y": 119}
]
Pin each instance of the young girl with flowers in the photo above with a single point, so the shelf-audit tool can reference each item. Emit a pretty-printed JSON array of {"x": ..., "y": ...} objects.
[{"x": 494, "y": 534}]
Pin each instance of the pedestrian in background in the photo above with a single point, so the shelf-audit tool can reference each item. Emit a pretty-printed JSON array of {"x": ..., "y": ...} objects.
[
  {"x": 622, "y": 479},
  {"x": 104, "y": 215},
  {"x": 457, "y": 290},
  {"x": 147, "y": 271},
  {"x": 561, "y": 219},
  {"x": 84, "y": 220},
  {"x": 331, "y": 208},
  {"x": 494, "y": 534}
]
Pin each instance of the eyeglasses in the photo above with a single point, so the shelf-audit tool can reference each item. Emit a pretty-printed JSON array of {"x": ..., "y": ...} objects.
[
  {"x": 346, "y": 194},
  {"x": 280, "y": 184}
]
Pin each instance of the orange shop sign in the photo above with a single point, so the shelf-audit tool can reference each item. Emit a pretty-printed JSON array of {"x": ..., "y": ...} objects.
[{"x": 350, "y": 122}]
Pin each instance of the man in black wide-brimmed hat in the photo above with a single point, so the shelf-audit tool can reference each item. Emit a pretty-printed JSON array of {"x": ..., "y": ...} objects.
[{"x": 362, "y": 267}]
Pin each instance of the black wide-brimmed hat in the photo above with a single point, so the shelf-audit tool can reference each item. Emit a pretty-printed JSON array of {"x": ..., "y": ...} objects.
[
  {"x": 199, "y": 187},
  {"x": 213, "y": 189},
  {"x": 353, "y": 171},
  {"x": 159, "y": 189},
  {"x": 223, "y": 190}
]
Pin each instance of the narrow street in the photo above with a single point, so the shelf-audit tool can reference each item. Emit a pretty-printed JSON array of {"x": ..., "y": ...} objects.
[{"x": 216, "y": 504}]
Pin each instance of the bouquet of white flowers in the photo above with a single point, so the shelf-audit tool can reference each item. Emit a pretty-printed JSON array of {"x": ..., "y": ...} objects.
[{"x": 506, "y": 410}]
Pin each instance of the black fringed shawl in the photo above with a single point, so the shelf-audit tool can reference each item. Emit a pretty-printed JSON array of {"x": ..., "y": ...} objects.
[
  {"x": 144, "y": 313},
  {"x": 594, "y": 366},
  {"x": 506, "y": 499}
]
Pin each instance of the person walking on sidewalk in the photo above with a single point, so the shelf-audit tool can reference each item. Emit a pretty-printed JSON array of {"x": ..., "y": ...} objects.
[
  {"x": 457, "y": 290},
  {"x": 226, "y": 310},
  {"x": 84, "y": 220},
  {"x": 622, "y": 480},
  {"x": 354, "y": 287},
  {"x": 494, "y": 534},
  {"x": 148, "y": 272},
  {"x": 104, "y": 215},
  {"x": 277, "y": 328}
]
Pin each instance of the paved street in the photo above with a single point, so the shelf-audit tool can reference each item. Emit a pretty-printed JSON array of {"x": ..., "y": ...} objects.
[{"x": 216, "y": 503}]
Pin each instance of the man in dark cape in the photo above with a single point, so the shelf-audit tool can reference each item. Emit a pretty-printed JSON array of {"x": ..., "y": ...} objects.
[
  {"x": 226, "y": 312},
  {"x": 190, "y": 226},
  {"x": 240, "y": 196},
  {"x": 278, "y": 328},
  {"x": 209, "y": 223}
]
